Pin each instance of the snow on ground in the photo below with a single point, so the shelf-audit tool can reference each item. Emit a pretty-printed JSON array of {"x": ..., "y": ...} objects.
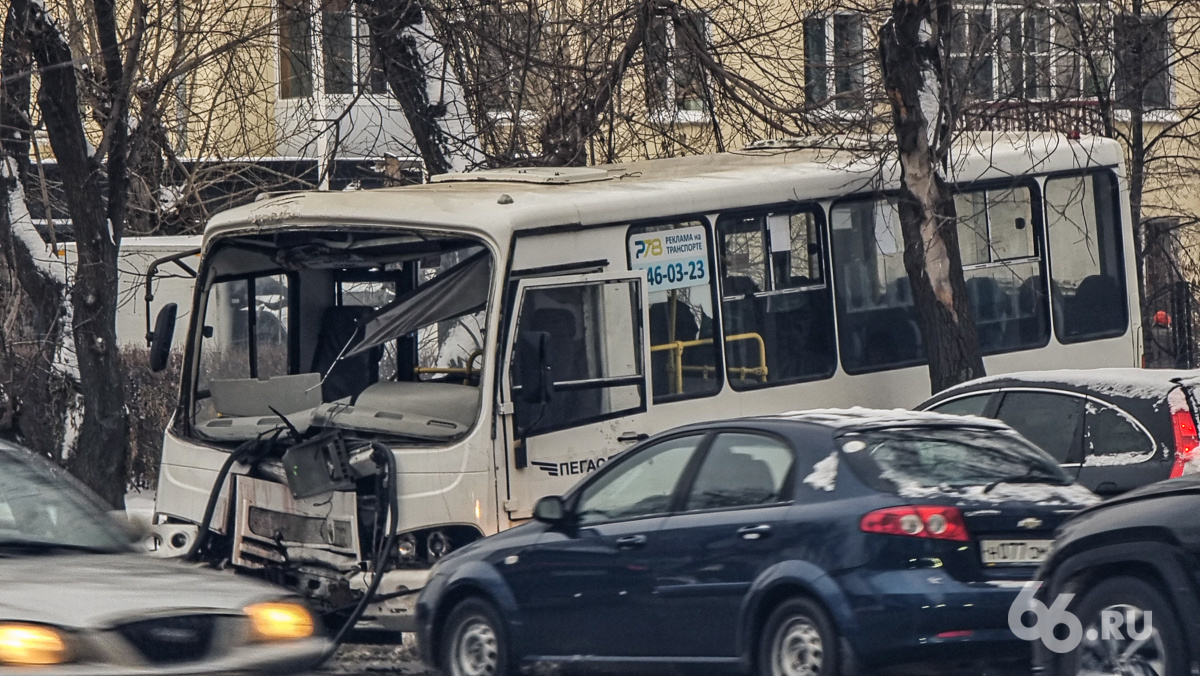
[{"x": 139, "y": 506}]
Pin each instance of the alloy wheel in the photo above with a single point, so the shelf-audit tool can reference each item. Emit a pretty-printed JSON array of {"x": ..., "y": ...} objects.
[{"x": 1119, "y": 653}]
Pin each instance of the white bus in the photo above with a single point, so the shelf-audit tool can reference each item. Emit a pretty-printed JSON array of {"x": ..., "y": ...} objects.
[{"x": 506, "y": 332}]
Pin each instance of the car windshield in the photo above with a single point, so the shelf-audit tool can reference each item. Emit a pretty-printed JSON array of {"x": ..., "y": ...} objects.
[
  {"x": 898, "y": 459},
  {"x": 40, "y": 514}
]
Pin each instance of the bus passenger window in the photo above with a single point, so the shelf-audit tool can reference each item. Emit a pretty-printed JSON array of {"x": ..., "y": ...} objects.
[
  {"x": 877, "y": 327},
  {"x": 1086, "y": 270},
  {"x": 1002, "y": 268},
  {"x": 776, "y": 306},
  {"x": 595, "y": 354},
  {"x": 683, "y": 358}
]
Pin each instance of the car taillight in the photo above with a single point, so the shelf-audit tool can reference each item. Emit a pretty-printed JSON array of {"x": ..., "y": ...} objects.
[
  {"x": 931, "y": 522},
  {"x": 1186, "y": 437}
]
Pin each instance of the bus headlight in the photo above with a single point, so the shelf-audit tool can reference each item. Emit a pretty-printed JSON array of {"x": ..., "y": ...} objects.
[
  {"x": 31, "y": 645},
  {"x": 279, "y": 621},
  {"x": 406, "y": 547}
]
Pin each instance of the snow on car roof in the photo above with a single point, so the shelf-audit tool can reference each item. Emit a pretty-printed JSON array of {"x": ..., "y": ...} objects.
[
  {"x": 1132, "y": 383},
  {"x": 860, "y": 417}
]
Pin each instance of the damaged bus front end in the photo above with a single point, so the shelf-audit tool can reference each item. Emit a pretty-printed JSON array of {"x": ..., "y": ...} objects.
[{"x": 312, "y": 345}]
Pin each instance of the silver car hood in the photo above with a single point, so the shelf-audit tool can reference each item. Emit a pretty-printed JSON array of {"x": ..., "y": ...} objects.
[{"x": 94, "y": 591}]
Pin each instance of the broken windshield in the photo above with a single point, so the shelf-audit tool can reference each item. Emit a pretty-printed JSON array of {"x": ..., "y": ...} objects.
[{"x": 379, "y": 334}]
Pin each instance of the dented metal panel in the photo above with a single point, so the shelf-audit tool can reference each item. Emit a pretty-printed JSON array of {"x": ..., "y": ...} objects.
[{"x": 272, "y": 526}]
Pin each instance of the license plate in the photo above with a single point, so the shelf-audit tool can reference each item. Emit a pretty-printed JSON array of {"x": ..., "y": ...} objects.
[{"x": 1014, "y": 552}]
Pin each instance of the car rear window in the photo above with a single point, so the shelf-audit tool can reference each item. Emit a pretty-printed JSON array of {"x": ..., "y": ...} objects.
[{"x": 900, "y": 460}]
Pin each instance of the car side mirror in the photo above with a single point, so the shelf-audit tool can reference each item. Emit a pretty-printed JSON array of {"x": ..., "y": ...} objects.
[
  {"x": 537, "y": 374},
  {"x": 160, "y": 339},
  {"x": 550, "y": 509}
]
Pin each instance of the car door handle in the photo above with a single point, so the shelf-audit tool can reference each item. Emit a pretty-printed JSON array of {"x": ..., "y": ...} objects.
[
  {"x": 754, "y": 532},
  {"x": 631, "y": 541},
  {"x": 632, "y": 437}
]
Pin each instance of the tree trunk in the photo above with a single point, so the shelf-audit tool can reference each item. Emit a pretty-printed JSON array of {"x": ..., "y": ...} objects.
[
  {"x": 43, "y": 376},
  {"x": 910, "y": 47},
  {"x": 564, "y": 140},
  {"x": 391, "y": 23},
  {"x": 100, "y": 458}
]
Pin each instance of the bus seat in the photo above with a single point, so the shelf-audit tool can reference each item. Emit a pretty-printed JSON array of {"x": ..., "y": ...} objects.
[
  {"x": 991, "y": 307},
  {"x": 351, "y": 375},
  {"x": 1096, "y": 306},
  {"x": 1031, "y": 312}
]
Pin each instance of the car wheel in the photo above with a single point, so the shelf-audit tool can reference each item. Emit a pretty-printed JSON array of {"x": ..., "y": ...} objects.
[
  {"x": 1153, "y": 646},
  {"x": 798, "y": 640},
  {"x": 474, "y": 643}
]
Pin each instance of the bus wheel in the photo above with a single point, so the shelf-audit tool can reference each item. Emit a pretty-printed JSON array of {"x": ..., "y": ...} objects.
[
  {"x": 798, "y": 640},
  {"x": 475, "y": 643}
]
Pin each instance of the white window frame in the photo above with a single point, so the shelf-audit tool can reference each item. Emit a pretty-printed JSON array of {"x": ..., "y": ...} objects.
[
  {"x": 1059, "y": 58},
  {"x": 831, "y": 65},
  {"x": 671, "y": 112},
  {"x": 359, "y": 41}
]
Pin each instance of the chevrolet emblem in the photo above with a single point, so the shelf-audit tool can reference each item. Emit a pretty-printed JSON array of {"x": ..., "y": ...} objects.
[{"x": 1029, "y": 523}]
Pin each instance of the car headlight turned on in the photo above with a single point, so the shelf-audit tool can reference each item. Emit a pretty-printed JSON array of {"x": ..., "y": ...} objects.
[
  {"x": 31, "y": 645},
  {"x": 279, "y": 621}
]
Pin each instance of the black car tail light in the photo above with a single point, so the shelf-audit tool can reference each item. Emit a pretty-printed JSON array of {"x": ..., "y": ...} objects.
[{"x": 931, "y": 522}]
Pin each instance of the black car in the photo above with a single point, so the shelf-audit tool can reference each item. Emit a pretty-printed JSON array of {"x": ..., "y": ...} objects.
[
  {"x": 1132, "y": 565},
  {"x": 1112, "y": 430},
  {"x": 796, "y": 544}
]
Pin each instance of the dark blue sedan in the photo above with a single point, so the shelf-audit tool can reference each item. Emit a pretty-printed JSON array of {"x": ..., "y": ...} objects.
[{"x": 803, "y": 544}]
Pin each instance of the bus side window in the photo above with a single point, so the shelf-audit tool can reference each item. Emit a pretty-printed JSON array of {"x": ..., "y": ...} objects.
[
  {"x": 1086, "y": 269},
  {"x": 877, "y": 327},
  {"x": 1003, "y": 268},
  {"x": 595, "y": 354},
  {"x": 776, "y": 306},
  {"x": 684, "y": 359}
]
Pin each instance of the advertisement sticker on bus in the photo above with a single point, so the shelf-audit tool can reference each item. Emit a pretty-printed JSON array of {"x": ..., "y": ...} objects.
[{"x": 672, "y": 259}]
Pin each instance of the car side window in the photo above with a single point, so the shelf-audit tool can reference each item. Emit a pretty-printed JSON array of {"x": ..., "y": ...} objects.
[
  {"x": 1112, "y": 433},
  {"x": 641, "y": 485},
  {"x": 972, "y": 405},
  {"x": 742, "y": 470},
  {"x": 1047, "y": 419}
]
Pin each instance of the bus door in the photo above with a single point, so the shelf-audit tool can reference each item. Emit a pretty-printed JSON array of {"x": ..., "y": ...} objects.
[{"x": 573, "y": 388}]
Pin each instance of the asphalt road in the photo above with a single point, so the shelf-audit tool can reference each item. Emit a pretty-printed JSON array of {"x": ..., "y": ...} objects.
[{"x": 366, "y": 659}]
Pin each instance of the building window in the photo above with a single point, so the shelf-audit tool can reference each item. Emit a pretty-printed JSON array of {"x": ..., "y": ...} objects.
[
  {"x": 675, "y": 79},
  {"x": 295, "y": 50},
  {"x": 337, "y": 46},
  {"x": 508, "y": 42},
  {"x": 835, "y": 60},
  {"x": 971, "y": 63},
  {"x": 350, "y": 55},
  {"x": 1023, "y": 53},
  {"x": 1142, "y": 55}
]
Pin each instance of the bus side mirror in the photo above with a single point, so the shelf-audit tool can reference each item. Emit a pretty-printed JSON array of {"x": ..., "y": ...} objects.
[
  {"x": 537, "y": 375},
  {"x": 160, "y": 339},
  {"x": 551, "y": 510}
]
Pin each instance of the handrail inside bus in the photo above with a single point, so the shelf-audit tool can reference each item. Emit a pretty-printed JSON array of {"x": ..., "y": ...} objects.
[
  {"x": 466, "y": 371},
  {"x": 677, "y": 347}
]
